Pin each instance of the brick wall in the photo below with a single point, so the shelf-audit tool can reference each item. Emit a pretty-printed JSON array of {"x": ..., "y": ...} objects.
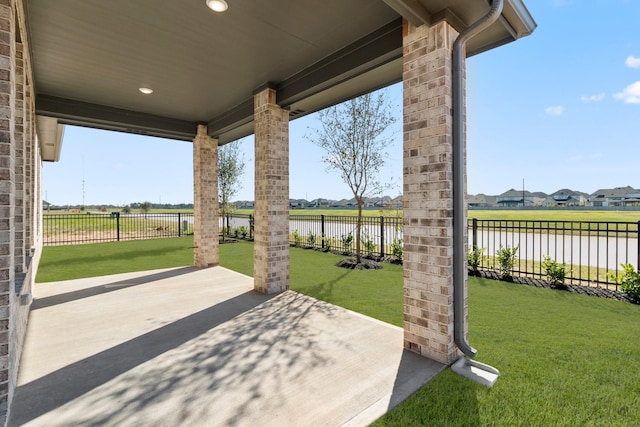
[
  {"x": 7, "y": 187},
  {"x": 428, "y": 191},
  {"x": 271, "y": 238}
]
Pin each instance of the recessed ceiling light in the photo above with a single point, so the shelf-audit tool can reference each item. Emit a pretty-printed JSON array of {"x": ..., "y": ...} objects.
[
  {"x": 217, "y": 5},
  {"x": 146, "y": 90}
]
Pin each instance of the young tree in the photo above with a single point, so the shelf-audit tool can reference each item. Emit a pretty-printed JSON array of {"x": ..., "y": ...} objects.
[
  {"x": 352, "y": 134},
  {"x": 230, "y": 171},
  {"x": 146, "y": 207}
]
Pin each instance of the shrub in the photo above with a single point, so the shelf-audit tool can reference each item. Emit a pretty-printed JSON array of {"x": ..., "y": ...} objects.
[
  {"x": 126, "y": 209},
  {"x": 556, "y": 272},
  {"x": 347, "y": 240},
  {"x": 243, "y": 231},
  {"x": 311, "y": 239},
  {"x": 475, "y": 258},
  {"x": 629, "y": 281},
  {"x": 296, "y": 238},
  {"x": 506, "y": 258},
  {"x": 327, "y": 242},
  {"x": 369, "y": 245},
  {"x": 396, "y": 249}
]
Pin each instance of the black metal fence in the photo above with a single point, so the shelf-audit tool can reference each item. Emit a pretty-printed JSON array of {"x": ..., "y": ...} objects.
[
  {"x": 94, "y": 227},
  {"x": 591, "y": 250},
  {"x": 380, "y": 235}
]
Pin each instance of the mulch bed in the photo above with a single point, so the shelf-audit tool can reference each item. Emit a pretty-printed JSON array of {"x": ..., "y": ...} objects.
[
  {"x": 576, "y": 289},
  {"x": 364, "y": 264}
]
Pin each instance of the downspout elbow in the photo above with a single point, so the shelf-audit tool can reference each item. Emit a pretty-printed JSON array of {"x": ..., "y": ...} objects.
[{"x": 459, "y": 219}]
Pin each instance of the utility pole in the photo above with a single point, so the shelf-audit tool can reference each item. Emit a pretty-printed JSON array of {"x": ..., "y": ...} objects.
[{"x": 83, "y": 205}]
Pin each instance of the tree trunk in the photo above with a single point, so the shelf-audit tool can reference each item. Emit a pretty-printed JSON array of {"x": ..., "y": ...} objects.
[
  {"x": 358, "y": 229},
  {"x": 223, "y": 211}
]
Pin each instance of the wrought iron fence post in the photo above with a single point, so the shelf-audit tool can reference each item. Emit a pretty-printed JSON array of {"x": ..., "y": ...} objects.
[
  {"x": 179, "y": 225},
  {"x": 638, "y": 249},
  {"x": 382, "y": 236},
  {"x": 251, "y": 226},
  {"x": 322, "y": 230},
  {"x": 118, "y": 225},
  {"x": 475, "y": 232}
]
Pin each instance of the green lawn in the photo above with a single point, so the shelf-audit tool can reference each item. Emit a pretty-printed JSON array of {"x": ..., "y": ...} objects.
[
  {"x": 565, "y": 359},
  {"x": 78, "y": 261}
]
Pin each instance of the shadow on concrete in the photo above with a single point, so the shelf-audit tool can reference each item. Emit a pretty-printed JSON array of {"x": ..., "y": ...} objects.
[
  {"x": 107, "y": 287},
  {"x": 410, "y": 377},
  {"x": 210, "y": 356}
]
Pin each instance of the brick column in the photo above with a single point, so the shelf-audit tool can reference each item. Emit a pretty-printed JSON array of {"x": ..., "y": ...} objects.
[
  {"x": 28, "y": 168},
  {"x": 7, "y": 186},
  {"x": 205, "y": 200},
  {"x": 271, "y": 238},
  {"x": 428, "y": 191},
  {"x": 20, "y": 244}
]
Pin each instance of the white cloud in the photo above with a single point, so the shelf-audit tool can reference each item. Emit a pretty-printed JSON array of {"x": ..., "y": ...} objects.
[
  {"x": 632, "y": 62},
  {"x": 630, "y": 94},
  {"x": 555, "y": 110},
  {"x": 593, "y": 98}
]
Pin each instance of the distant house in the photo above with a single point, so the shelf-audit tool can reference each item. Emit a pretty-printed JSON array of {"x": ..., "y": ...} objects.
[
  {"x": 46, "y": 205},
  {"x": 566, "y": 197},
  {"x": 612, "y": 197},
  {"x": 482, "y": 201},
  {"x": 632, "y": 199},
  {"x": 514, "y": 198},
  {"x": 244, "y": 204},
  {"x": 297, "y": 203},
  {"x": 320, "y": 203}
]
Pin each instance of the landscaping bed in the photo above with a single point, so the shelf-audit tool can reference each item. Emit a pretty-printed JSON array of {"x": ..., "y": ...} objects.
[{"x": 576, "y": 289}]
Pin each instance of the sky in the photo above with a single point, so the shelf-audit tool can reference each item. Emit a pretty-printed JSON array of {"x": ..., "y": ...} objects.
[{"x": 557, "y": 109}]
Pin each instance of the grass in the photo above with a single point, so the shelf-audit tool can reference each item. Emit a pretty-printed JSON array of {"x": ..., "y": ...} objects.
[
  {"x": 565, "y": 359},
  {"x": 78, "y": 261}
]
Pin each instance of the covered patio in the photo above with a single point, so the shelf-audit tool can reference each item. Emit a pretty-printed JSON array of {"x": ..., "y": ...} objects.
[
  {"x": 182, "y": 71},
  {"x": 188, "y": 346}
]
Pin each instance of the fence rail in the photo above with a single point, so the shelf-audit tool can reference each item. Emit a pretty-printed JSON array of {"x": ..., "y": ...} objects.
[
  {"x": 592, "y": 250},
  {"x": 94, "y": 227}
]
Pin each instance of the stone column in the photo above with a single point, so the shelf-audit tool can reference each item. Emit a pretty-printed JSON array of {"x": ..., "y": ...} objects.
[
  {"x": 428, "y": 191},
  {"x": 205, "y": 200},
  {"x": 271, "y": 237},
  {"x": 7, "y": 187}
]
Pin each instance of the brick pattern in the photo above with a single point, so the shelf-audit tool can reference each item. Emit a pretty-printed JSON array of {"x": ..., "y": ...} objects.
[
  {"x": 28, "y": 168},
  {"x": 428, "y": 191},
  {"x": 7, "y": 187},
  {"x": 271, "y": 238},
  {"x": 205, "y": 199},
  {"x": 19, "y": 223}
]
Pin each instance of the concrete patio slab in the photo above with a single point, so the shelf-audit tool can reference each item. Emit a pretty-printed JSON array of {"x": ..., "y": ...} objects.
[{"x": 199, "y": 347}]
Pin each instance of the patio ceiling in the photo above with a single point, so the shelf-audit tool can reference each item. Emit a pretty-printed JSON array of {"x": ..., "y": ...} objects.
[{"x": 90, "y": 57}]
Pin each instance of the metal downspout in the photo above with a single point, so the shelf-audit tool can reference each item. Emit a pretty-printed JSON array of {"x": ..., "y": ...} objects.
[{"x": 459, "y": 218}]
